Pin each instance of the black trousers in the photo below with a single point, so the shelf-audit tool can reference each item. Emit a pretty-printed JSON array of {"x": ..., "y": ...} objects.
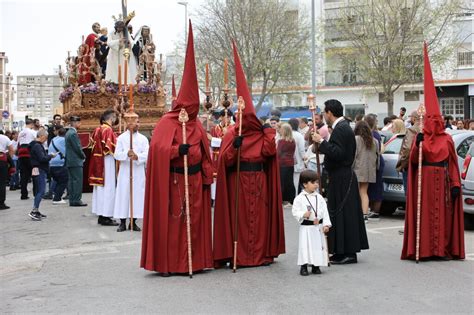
[
  {"x": 25, "y": 176},
  {"x": 60, "y": 175},
  {"x": 286, "y": 182},
  {"x": 3, "y": 181},
  {"x": 75, "y": 185}
]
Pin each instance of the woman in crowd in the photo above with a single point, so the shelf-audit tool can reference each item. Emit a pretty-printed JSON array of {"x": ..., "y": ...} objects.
[
  {"x": 365, "y": 162},
  {"x": 286, "y": 147},
  {"x": 375, "y": 190}
]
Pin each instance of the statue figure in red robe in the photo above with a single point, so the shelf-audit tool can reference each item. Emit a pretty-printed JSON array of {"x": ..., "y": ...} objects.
[
  {"x": 164, "y": 239},
  {"x": 217, "y": 134},
  {"x": 442, "y": 220},
  {"x": 88, "y": 53},
  {"x": 261, "y": 236}
]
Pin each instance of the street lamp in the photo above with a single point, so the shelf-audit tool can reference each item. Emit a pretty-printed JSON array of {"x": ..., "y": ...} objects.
[{"x": 185, "y": 20}]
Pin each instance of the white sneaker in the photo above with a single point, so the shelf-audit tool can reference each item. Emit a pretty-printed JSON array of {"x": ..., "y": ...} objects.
[{"x": 60, "y": 202}]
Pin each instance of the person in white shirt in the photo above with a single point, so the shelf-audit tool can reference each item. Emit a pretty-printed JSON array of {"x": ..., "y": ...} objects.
[
  {"x": 139, "y": 155},
  {"x": 303, "y": 127},
  {"x": 24, "y": 139},
  {"x": 310, "y": 210},
  {"x": 299, "y": 152},
  {"x": 6, "y": 149}
]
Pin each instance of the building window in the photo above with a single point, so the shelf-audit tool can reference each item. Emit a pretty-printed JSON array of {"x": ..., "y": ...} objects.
[
  {"x": 412, "y": 96},
  {"x": 353, "y": 110},
  {"x": 453, "y": 106}
]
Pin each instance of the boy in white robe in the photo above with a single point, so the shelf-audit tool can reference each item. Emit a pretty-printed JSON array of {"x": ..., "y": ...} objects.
[
  {"x": 139, "y": 155},
  {"x": 310, "y": 210}
]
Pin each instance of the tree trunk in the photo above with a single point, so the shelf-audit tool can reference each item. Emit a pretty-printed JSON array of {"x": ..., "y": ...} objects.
[{"x": 389, "y": 98}]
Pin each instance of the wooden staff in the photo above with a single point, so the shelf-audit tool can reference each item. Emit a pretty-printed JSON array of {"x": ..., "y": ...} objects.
[
  {"x": 421, "y": 113},
  {"x": 312, "y": 108},
  {"x": 183, "y": 118},
  {"x": 240, "y": 106},
  {"x": 131, "y": 127}
]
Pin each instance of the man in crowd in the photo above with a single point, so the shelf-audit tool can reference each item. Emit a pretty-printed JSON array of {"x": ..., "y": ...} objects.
[
  {"x": 124, "y": 155},
  {"x": 24, "y": 139},
  {"x": 404, "y": 154},
  {"x": 57, "y": 167},
  {"x": 165, "y": 242},
  {"x": 74, "y": 162},
  {"x": 303, "y": 126},
  {"x": 6, "y": 150},
  {"x": 102, "y": 168},
  {"x": 52, "y": 132},
  {"x": 299, "y": 152},
  {"x": 347, "y": 236},
  {"x": 260, "y": 235},
  {"x": 440, "y": 231}
]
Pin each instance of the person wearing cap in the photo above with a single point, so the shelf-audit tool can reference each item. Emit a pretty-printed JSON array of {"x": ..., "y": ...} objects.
[
  {"x": 404, "y": 154},
  {"x": 74, "y": 162}
]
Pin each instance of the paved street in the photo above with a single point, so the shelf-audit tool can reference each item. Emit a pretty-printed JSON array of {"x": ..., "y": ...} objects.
[{"x": 69, "y": 264}]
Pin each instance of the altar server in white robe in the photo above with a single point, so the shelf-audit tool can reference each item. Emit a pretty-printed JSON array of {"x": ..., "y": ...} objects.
[
  {"x": 139, "y": 155},
  {"x": 115, "y": 41},
  {"x": 310, "y": 210}
]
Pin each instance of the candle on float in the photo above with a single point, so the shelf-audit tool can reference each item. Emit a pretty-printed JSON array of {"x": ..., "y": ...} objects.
[
  {"x": 125, "y": 72},
  {"x": 226, "y": 73},
  {"x": 83, "y": 39},
  {"x": 131, "y": 97},
  {"x": 120, "y": 79},
  {"x": 207, "y": 77}
]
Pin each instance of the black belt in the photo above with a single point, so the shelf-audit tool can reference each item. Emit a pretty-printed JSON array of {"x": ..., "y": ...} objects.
[
  {"x": 436, "y": 164},
  {"x": 193, "y": 169},
  {"x": 248, "y": 167},
  {"x": 309, "y": 222}
]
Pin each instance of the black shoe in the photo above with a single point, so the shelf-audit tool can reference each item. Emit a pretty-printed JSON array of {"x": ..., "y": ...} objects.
[
  {"x": 304, "y": 270},
  {"x": 13, "y": 188},
  {"x": 136, "y": 228},
  {"x": 165, "y": 274},
  {"x": 35, "y": 215},
  {"x": 78, "y": 204},
  {"x": 373, "y": 216},
  {"x": 24, "y": 198},
  {"x": 108, "y": 222},
  {"x": 4, "y": 207},
  {"x": 48, "y": 196},
  {"x": 43, "y": 216},
  {"x": 121, "y": 227},
  {"x": 345, "y": 261},
  {"x": 336, "y": 257},
  {"x": 66, "y": 197},
  {"x": 315, "y": 270}
]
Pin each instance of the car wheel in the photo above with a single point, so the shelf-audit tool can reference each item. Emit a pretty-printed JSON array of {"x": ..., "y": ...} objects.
[{"x": 468, "y": 221}]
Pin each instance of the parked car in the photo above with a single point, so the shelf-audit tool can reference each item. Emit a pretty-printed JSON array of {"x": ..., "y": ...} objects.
[
  {"x": 394, "y": 194},
  {"x": 467, "y": 181}
]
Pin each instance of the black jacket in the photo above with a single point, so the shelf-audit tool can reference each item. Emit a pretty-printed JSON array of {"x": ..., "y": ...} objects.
[
  {"x": 39, "y": 157},
  {"x": 340, "y": 150}
]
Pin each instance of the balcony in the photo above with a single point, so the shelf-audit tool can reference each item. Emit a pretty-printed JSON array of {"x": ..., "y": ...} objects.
[
  {"x": 340, "y": 78},
  {"x": 465, "y": 59}
]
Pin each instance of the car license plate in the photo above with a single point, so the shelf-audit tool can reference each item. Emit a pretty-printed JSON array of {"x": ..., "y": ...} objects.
[{"x": 395, "y": 187}]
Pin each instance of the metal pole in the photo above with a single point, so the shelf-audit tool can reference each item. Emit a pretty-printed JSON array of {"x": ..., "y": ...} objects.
[{"x": 313, "y": 50}]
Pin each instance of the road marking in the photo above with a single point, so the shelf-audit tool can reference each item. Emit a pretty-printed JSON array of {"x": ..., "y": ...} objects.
[{"x": 376, "y": 230}]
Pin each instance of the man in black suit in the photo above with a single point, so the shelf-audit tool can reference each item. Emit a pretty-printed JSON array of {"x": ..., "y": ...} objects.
[
  {"x": 347, "y": 236},
  {"x": 74, "y": 162}
]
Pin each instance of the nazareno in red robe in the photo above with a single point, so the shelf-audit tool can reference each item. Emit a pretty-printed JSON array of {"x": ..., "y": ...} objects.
[
  {"x": 261, "y": 236},
  {"x": 164, "y": 238},
  {"x": 442, "y": 219},
  {"x": 104, "y": 140}
]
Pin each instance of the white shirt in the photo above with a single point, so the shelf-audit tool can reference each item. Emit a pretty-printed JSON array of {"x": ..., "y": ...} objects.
[
  {"x": 26, "y": 136},
  {"x": 299, "y": 151},
  {"x": 336, "y": 122},
  {"x": 5, "y": 142},
  {"x": 301, "y": 205}
]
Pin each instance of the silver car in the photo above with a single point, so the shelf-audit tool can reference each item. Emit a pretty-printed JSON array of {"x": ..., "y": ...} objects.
[
  {"x": 467, "y": 180},
  {"x": 393, "y": 192}
]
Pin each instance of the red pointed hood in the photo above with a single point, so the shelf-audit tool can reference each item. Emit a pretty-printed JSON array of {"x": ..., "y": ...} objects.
[
  {"x": 188, "y": 97},
  {"x": 434, "y": 149},
  {"x": 250, "y": 121},
  {"x": 434, "y": 122}
]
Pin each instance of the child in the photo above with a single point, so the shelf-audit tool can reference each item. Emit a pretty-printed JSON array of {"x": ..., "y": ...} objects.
[{"x": 310, "y": 210}]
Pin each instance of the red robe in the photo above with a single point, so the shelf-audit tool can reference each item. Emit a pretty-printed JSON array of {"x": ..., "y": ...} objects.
[
  {"x": 164, "y": 244},
  {"x": 261, "y": 235},
  {"x": 442, "y": 221},
  {"x": 103, "y": 143},
  {"x": 90, "y": 42}
]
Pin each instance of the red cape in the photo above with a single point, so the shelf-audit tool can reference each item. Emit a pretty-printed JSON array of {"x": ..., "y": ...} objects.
[
  {"x": 103, "y": 143},
  {"x": 223, "y": 222}
]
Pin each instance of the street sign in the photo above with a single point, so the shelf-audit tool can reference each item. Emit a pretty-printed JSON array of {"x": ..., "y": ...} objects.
[{"x": 5, "y": 114}]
